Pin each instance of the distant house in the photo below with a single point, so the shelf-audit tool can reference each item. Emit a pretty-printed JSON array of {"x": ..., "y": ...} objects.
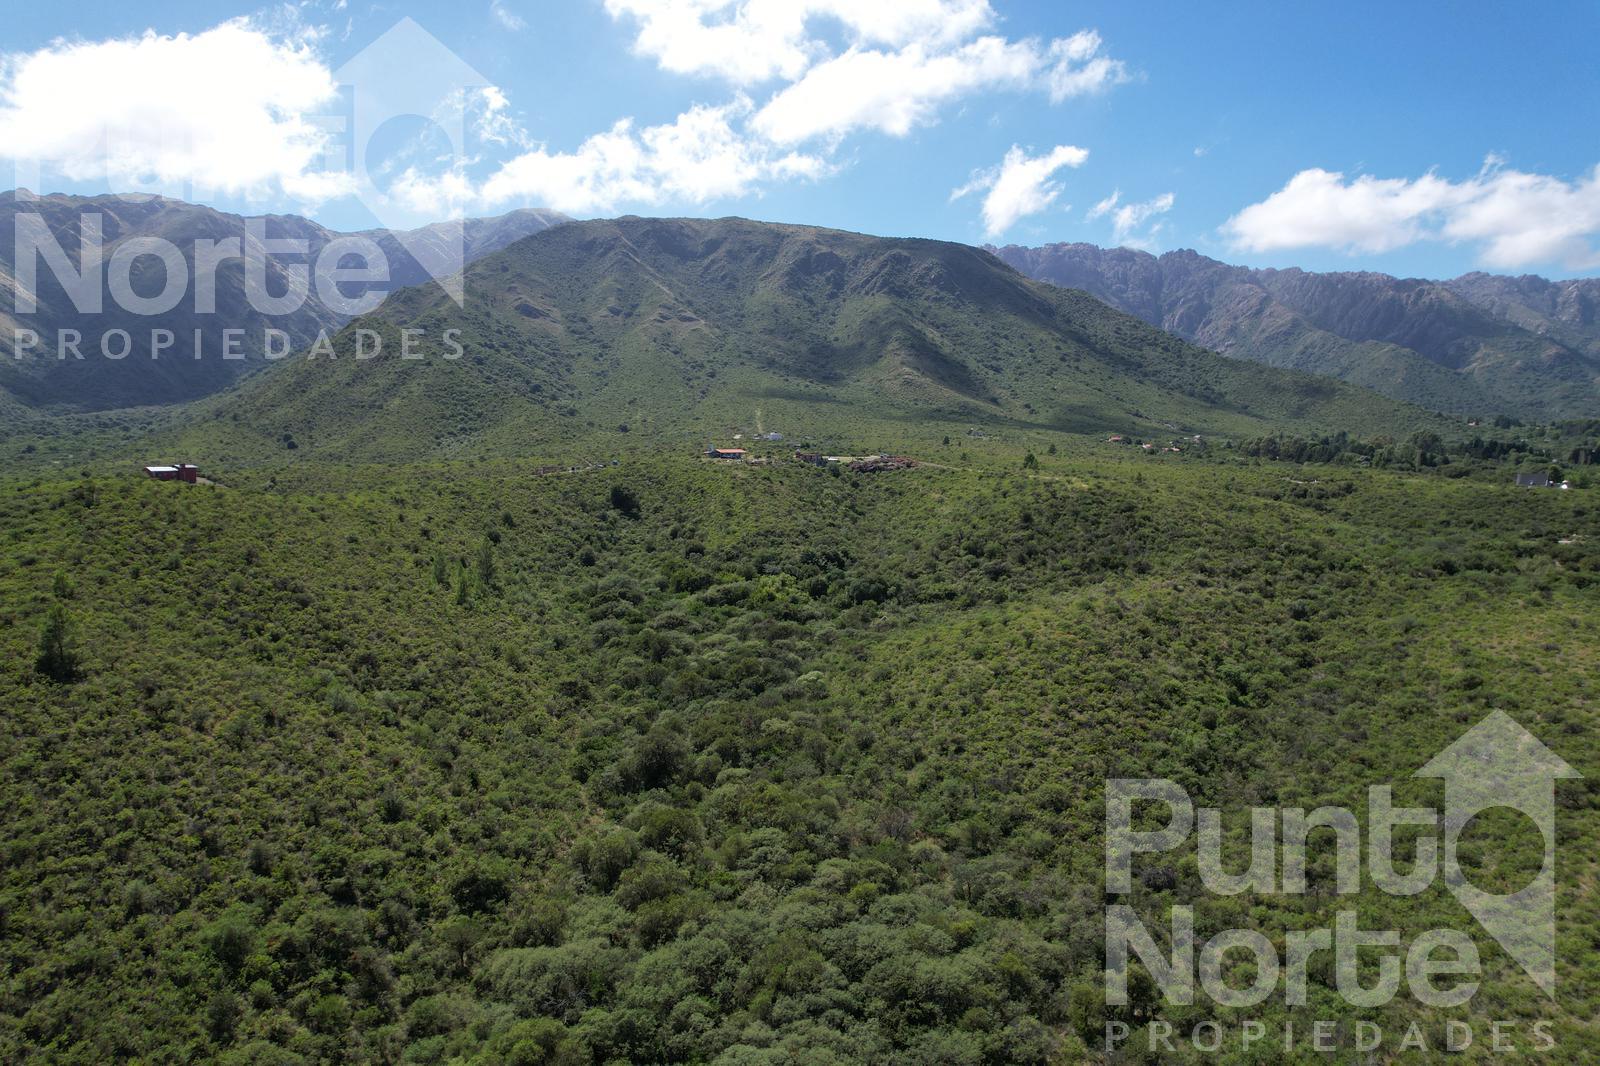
[
  {"x": 814, "y": 458},
  {"x": 1540, "y": 481},
  {"x": 772, "y": 436},
  {"x": 180, "y": 472},
  {"x": 726, "y": 453},
  {"x": 877, "y": 464}
]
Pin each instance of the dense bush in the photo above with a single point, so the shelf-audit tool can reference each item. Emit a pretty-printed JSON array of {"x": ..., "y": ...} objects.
[{"x": 802, "y": 768}]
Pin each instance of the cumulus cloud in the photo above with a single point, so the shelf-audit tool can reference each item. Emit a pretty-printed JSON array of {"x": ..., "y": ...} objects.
[
  {"x": 238, "y": 110},
  {"x": 1075, "y": 67},
  {"x": 900, "y": 61},
  {"x": 1522, "y": 219},
  {"x": 893, "y": 92},
  {"x": 758, "y": 41},
  {"x": 1128, "y": 220},
  {"x": 1318, "y": 207},
  {"x": 902, "y": 58},
  {"x": 449, "y": 194},
  {"x": 755, "y": 41},
  {"x": 1517, "y": 219},
  {"x": 1020, "y": 186},
  {"x": 228, "y": 109},
  {"x": 127, "y": 112},
  {"x": 887, "y": 91},
  {"x": 697, "y": 158}
]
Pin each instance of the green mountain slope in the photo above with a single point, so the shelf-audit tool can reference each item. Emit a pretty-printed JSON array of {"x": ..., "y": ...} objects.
[
  {"x": 1479, "y": 344},
  {"x": 193, "y": 365},
  {"x": 683, "y": 330}
]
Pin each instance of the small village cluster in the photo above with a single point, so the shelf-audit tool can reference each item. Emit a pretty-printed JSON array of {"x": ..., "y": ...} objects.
[
  {"x": 860, "y": 464},
  {"x": 1150, "y": 447}
]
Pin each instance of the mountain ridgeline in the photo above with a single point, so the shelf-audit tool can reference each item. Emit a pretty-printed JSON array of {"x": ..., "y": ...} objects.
[
  {"x": 678, "y": 328},
  {"x": 47, "y": 377},
  {"x": 1480, "y": 344}
]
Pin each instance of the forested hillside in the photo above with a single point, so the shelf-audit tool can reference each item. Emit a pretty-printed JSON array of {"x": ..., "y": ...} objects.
[
  {"x": 678, "y": 761},
  {"x": 469, "y": 715},
  {"x": 679, "y": 329},
  {"x": 573, "y": 638}
]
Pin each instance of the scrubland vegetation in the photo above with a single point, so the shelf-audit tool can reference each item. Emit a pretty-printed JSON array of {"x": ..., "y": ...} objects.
[{"x": 688, "y": 762}]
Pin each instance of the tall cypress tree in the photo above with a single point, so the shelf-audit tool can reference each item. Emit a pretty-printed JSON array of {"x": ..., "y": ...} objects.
[{"x": 58, "y": 659}]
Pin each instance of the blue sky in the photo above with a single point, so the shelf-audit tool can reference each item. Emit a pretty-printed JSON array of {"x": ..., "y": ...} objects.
[{"x": 1420, "y": 138}]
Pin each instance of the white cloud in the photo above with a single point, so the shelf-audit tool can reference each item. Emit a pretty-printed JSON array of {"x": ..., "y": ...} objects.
[
  {"x": 1531, "y": 218},
  {"x": 753, "y": 41},
  {"x": 438, "y": 195},
  {"x": 505, "y": 16},
  {"x": 887, "y": 91},
  {"x": 1318, "y": 207},
  {"x": 1104, "y": 206},
  {"x": 759, "y": 41},
  {"x": 226, "y": 109},
  {"x": 1128, "y": 219},
  {"x": 1076, "y": 67},
  {"x": 901, "y": 59},
  {"x": 235, "y": 110},
  {"x": 697, "y": 158},
  {"x": 893, "y": 92},
  {"x": 1517, "y": 219},
  {"x": 490, "y": 110},
  {"x": 1020, "y": 185}
]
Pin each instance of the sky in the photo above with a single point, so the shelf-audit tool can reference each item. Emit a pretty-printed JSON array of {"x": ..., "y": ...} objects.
[{"x": 1424, "y": 138}]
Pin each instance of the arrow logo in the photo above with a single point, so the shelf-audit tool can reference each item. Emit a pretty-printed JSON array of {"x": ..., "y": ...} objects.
[{"x": 1499, "y": 764}]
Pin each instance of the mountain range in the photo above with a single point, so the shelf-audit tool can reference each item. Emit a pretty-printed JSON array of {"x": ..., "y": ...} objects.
[
  {"x": 40, "y": 379},
  {"x": 1479, "y": 344},
  {"x": 822, "y": 310},
  {"x": 685, "y": 329}
]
